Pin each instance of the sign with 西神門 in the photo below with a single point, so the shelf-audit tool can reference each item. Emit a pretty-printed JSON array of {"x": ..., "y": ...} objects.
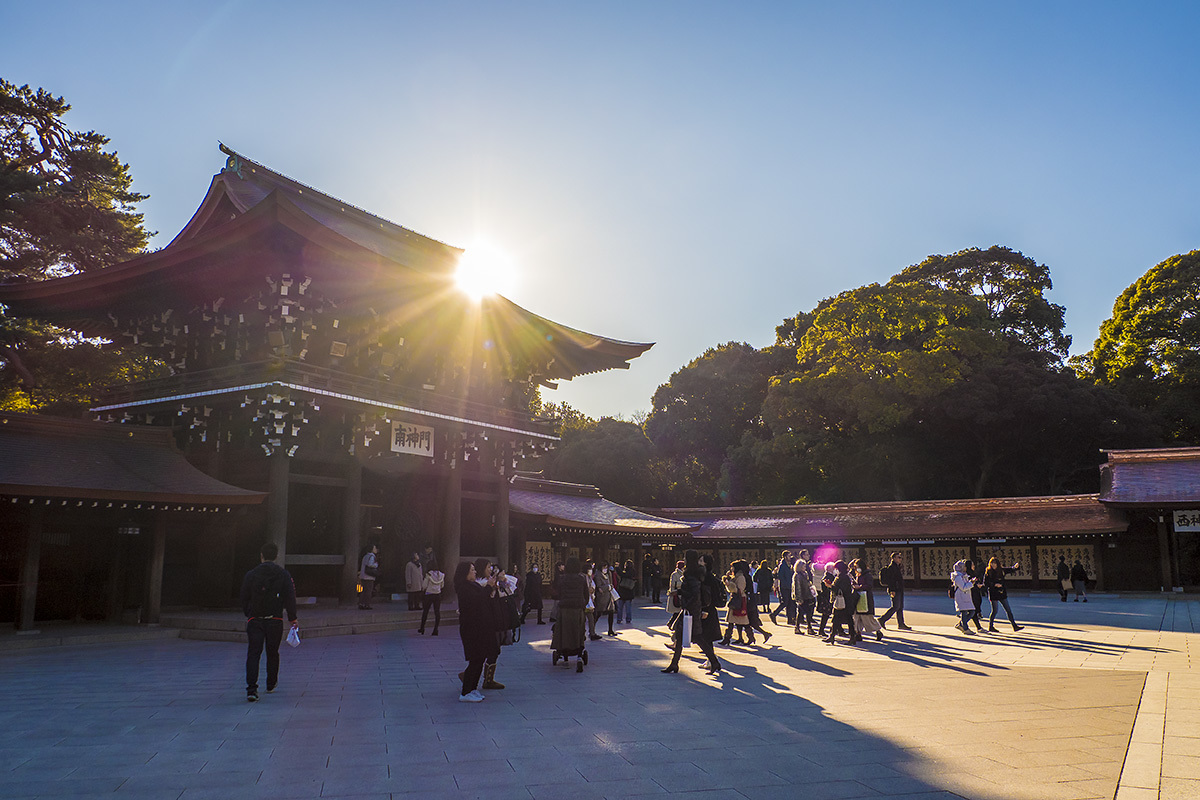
[
  {"x": 1186, "y": 520},
  {"x": 414, "y": 439}
]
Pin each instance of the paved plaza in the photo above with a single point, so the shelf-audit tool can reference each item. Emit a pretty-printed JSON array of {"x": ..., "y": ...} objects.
[{"x": 1094, "y": 700}]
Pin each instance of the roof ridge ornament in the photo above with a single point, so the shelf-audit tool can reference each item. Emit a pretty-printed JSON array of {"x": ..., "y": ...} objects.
[{"x": 233, "y": 163}]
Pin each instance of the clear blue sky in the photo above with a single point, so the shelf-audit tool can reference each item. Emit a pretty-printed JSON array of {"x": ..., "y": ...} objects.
[{"x": 686, "y": 173}]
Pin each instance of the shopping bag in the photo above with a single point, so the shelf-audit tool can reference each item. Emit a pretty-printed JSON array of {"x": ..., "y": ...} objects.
[
  {"x": 685, "y": 621},
  {"x": 293, "y": 637}
]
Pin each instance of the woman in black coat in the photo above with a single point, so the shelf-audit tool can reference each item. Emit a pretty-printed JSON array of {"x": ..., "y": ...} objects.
[
  {"x": 843, "y": 588},
  {"x": 476, "y": 627},
  {"x": 533, "y": 594},
  {"x": 997, "y": 591},
  {"x": 691, "y": 600}
]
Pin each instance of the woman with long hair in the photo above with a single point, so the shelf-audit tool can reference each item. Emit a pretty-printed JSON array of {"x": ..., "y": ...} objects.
[
  {"x": 993, "y": 579},
  {"x": 976, "y": 596},
  {"x": 627, "y": 588},
  {"x": 844, "y": 602},
  {"x": 691, "y": 601},
  {"x": 476, "y": 627}
]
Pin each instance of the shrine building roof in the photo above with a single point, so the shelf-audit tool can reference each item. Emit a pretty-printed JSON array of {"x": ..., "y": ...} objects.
[
  {"x": 253, "y": 220},
  {"x": 901, "y": 522},
  {"x": 76, "y": 461},
  {"x": 1166, "y": 477},
  {"x": 580, "y": 507}
]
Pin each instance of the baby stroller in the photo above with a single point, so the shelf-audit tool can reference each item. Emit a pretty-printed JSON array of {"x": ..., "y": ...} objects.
[{"x": 569, "y": 638}]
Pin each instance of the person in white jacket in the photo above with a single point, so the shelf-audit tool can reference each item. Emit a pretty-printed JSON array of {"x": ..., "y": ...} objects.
[
  {"x": 963, "y": 604},
  {"x": 433, "y": 583}
]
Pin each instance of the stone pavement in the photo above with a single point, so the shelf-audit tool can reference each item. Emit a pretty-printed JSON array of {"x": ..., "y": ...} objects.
[{"x": 1089, "y": 701}]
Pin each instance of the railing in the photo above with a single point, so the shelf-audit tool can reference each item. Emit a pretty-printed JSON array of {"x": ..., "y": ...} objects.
[{"x": 327, "y": 380}]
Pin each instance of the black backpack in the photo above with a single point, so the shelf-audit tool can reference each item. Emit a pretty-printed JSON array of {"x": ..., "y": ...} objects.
[{"x": 266, "y": 594}]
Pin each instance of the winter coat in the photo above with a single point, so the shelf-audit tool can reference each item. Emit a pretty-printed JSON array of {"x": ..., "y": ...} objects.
[
  {"x": 892, "y": 576},
  {"x": 866, "y": 585},
  {"x": 1078, "y": 573},
  {"x": 412, "y": 576},
  {"x": 476, "y": 621},
  {"x": 690, "y": 600},
  {"x": 672, "y": 587},
  {"x": 627, "y": 575},
  {"x": 1063, "y": 571},
  {"x": 842, "y": 586},
  {"x": 783, "y": 574},
  {"x": 994, "y": 580},
  {"x": 573, "y": 591},
  {"x": 711, "y": 589},
  {"x": 269, "y": 571},
  {"x": 762, "y": 579},
  {"x": 824, "y": 597},
  {"x": 802, "y": 586},
  {"x": 962, "y": 585},
  {"x": 603, "y": 598},
  {"x": 435, "y": 581},
  {"x": 533, "y": 589},
  {"x": 736, "y": 587}
]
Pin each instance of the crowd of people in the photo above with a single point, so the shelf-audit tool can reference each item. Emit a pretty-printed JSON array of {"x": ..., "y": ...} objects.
[{"x": 833, "y": 601}]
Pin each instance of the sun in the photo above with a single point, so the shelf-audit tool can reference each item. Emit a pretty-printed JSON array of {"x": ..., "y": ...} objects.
[{"x": 484, "y": 269}]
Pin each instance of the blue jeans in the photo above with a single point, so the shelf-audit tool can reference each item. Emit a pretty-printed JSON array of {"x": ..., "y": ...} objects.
[
  {"x": 1007, "y": 609},
  {"x": 625, "y": 610}
]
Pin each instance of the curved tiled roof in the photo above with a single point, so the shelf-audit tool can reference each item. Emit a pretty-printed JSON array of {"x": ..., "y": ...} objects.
[
  {"x": 1167, "y": 477},
  {"x": 55, "y": 458},
  {"x": 573, "y": 505}
]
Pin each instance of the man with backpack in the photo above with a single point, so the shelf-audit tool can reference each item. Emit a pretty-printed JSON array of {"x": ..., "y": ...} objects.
[
  {"x": 892, "y": 576},
  {"x": 267, "y": 591}
]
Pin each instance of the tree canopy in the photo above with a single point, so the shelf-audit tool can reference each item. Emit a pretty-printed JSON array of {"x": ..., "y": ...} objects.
[
  {"x": 66, "y": 203},
  {"x": 1149, "y": 349},
  {"x": 66, "y": 206},
  {"x": 1010, "y": 284}
]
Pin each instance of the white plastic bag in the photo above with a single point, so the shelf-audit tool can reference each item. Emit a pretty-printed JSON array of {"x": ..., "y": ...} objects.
[
  {"x": 293, "y": 637},
  {"x": 686, "y": 621}
]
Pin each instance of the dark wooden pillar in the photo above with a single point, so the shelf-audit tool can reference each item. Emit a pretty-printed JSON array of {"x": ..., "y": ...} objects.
[
  {"x": 27, "y": 603},
  {"x": 1164, "y": 552},
  {"x": 452, "y": 522},
  {"x": 152, "y": 604},
  {"x": 116, "y": 580},
  {"x": 351, "y": 534},
  {"x": 277, "y": 502},
  {"x": 503, "y": 540}
]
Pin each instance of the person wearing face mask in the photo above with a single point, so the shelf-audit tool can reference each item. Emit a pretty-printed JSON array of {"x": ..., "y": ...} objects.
[
  {"x": 533, "y": 595},
  {"x": 603, "y": 598}
]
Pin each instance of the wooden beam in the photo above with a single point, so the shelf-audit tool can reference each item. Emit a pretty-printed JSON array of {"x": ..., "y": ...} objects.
[{"x": 29, "y": 571}]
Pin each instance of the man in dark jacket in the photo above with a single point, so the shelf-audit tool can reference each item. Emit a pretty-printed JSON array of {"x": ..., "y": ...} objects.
[
  {"x": 783, "y": 588},
  {"x": 1063, "y": 573},
  {"x": 267, "y": 592},
  {"x": 892, "y": 576}
]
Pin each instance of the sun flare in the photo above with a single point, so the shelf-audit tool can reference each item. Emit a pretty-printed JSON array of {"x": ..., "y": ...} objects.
[{"x": 484, "y": 269}]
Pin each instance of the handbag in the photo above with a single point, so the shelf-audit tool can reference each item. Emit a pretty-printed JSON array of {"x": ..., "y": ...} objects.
[
  {"x": 628, "y": 584},
  {"x": 839, "y": 602}
]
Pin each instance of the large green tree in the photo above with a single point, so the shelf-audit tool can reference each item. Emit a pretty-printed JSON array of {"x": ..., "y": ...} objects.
[
  {"x": 1149, "y": 349},
  {"x": 704, "y": 409},
  {"x": 1011, "y": 285},
  {"x": 66, "y": 206},
  {"x": 613, "y": 455},
  {"x": 66, "y": 203}
]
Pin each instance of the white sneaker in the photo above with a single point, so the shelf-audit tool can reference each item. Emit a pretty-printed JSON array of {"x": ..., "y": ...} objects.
[
  {"x": 470, "y": 697},
  {"x": 478, "y": 693}
]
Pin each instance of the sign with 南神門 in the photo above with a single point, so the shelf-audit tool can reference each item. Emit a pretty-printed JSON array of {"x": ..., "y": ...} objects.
[{"x": 414, "y": 439}]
